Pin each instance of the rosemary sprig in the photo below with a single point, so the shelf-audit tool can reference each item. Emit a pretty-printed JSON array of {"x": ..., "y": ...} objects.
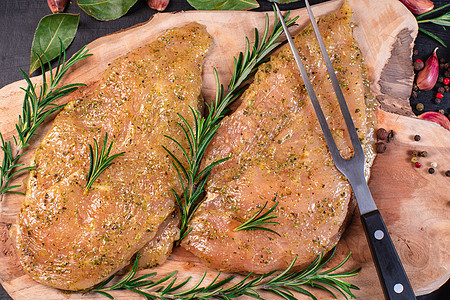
[
  {"x": 99, "y": 160},
  {"x": 257, "y": 221},
  {"x": 443, "y": 20},
  {"x": 9, "y": 163},
  {"x": 36, "y": 108},
  {"x": 193, "y": 178},
  {"x": 283, "y": 284}
]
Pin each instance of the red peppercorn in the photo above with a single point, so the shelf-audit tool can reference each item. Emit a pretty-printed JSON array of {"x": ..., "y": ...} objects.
[
  {"x": 418, "y": 164},
  {"x": 439, "y": 95},
  {"x": 447, "y": 81}
]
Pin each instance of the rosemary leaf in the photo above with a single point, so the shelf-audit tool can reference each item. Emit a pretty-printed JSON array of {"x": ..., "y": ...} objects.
[
  {"x": 283, "y": 284},
  {"x": 38, "y": 104},
  {"x": 257, "y": 221},
  {"x": 433, "y": 11},
  {"x": 99, "y": 160},
  {"x": 443, "y": 20},
  {"x": 433, "y": 36}
]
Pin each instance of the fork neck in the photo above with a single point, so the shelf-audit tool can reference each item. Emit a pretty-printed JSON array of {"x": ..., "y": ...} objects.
[{"x": 362, "y": 193}]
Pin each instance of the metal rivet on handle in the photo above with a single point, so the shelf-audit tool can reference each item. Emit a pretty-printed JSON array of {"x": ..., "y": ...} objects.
[
  {"x": 379, "y": 235},
  {"x": 398, "y": 288}
]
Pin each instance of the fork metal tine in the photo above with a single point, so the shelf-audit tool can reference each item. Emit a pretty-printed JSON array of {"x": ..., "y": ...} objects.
[
  {"x": 337, "y": 89},
  {"x": 322, "y": 120},
  {"x": 352, "y": 168}
]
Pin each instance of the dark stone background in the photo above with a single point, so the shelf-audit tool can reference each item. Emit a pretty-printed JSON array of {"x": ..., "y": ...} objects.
[{"x": 19, "y": 18}]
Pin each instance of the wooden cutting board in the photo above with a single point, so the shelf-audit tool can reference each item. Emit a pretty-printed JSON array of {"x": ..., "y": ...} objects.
[{"x": 415, "y": 205}]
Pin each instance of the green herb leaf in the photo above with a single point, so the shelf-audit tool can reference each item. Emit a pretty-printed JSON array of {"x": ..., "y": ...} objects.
[
  {"x": 443, "y": 20},
  {"x": 258, "y": 220},
  {"x": 433, "y": 36},
  {"x": 433, "y": 11},
  {"x": 224, "y": 4},
  {"x": 99, "y": 160},
  {"x": 105, "y": 10},
  {"x": 50, "y": 31},
  {"x": 282, "y": 284}
]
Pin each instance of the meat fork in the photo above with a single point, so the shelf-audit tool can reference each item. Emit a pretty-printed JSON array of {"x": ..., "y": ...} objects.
[{"x": 390, "y": 271}]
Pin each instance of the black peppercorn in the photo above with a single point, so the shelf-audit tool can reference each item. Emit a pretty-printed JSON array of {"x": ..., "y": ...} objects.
[
  {"x": 441, "y": 79},
  {"x": 447, "y": 88},
  {"x": 380, "y": 147},
  {"x": 418, "y": 65},
  {"x": 447, "y": 173},
  {"x": 390, "y": 136},
  {"x": 382, "y": 134},
  {"x": 414, "y": 94},
  {"x": 431, "y": 170},
  {"x": 437, "y": 100},
  {"x": 417, "y": 137},
  {"x": 416, "y": 88},
  {"x": 441, "y": 89}
]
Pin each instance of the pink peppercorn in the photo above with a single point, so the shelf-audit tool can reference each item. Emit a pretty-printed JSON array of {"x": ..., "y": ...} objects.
[
  {"x": 439, "y": 95},
  {"x": 446, "y": 81},
  {"x": 418, "y": 164}
]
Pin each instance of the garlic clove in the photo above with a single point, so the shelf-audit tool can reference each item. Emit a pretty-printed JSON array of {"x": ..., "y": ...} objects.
[
  {"x": 159, "y": 5},
  {"x": 418, "y": 7},
  {"x": 436, "y": 118},
  {"x": 57, "y": 6},
  {"x": 427, "y": 77}
]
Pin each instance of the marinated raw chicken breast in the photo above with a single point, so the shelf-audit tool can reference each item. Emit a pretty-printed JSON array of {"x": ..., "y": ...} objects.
[
  {"x": 72, "y": 238},
  {"x": 278, "y": 154}
]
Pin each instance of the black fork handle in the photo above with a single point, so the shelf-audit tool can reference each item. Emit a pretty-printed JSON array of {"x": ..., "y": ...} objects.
[{"x": 390, "y": 270}]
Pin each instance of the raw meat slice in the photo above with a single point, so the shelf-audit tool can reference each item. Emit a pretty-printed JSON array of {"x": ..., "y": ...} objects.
[
  {"x": 278, "y": 154},
  {"x": 71, "y": 238}
]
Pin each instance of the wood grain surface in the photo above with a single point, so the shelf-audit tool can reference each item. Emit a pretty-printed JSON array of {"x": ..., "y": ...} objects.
[{"x": 414, "y": 204}]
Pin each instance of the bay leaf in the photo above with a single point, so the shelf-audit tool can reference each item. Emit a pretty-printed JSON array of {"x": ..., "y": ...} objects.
[
  {"x": 50, "y": 31},
  {"x": 105, "y": 10},
  {"x": 223, "y": 4}
]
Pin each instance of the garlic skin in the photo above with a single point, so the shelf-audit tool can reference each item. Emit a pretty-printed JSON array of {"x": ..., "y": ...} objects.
[
  {"x": 427, "y": 77},
  {"x": 418, "y": 7},
  {"x": 159, "y": 5},
  {"x": 57, "y": 6},
  {"x": 436, "y": 118}
]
